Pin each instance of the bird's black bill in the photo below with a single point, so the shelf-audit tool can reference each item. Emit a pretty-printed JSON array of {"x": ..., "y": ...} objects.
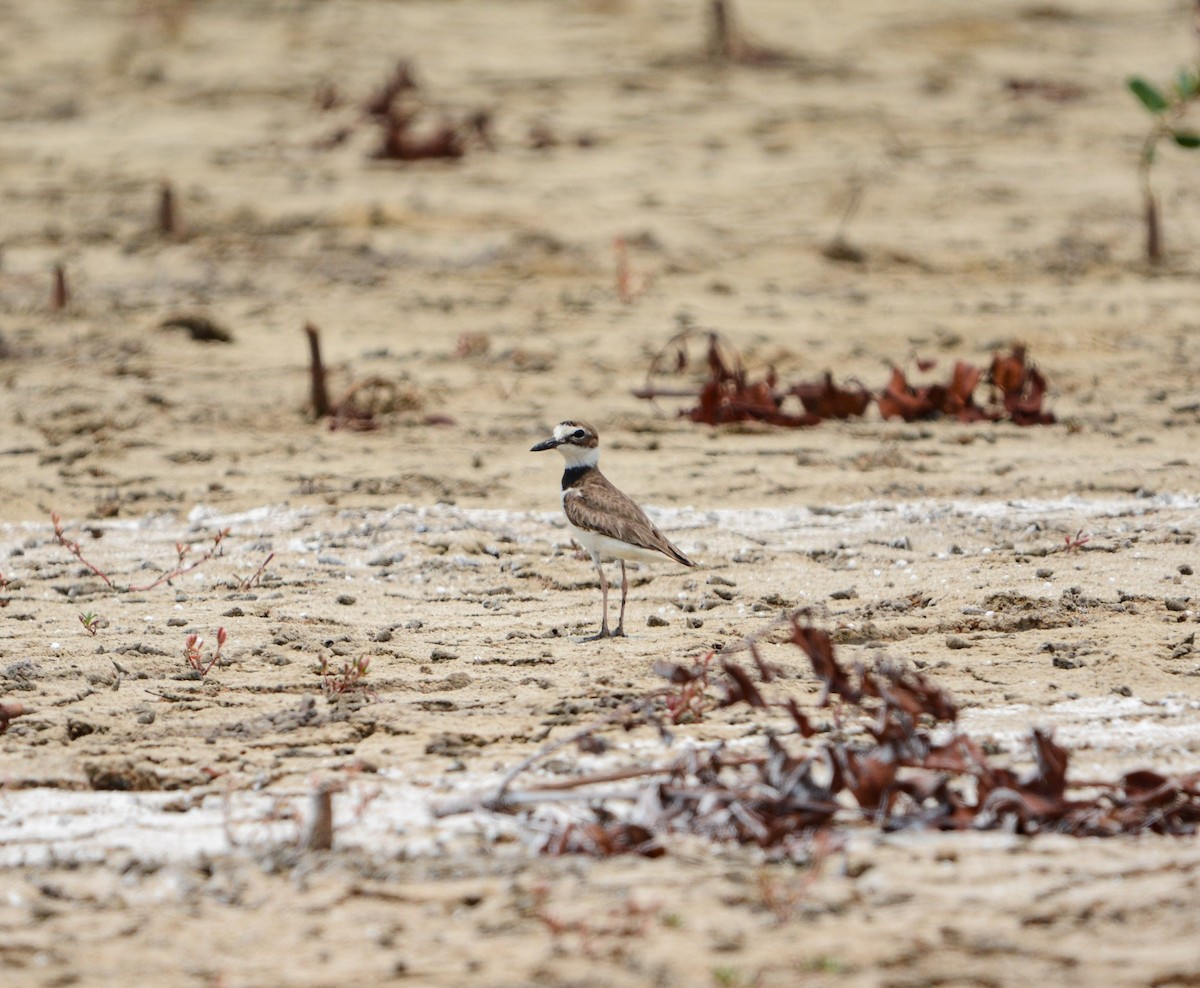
[{"x": 548, "y": 444}]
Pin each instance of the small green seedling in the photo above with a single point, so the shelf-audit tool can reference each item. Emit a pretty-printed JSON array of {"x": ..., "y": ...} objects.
[
  {"x": 1167, "y": 108},
  {"x": 92, "y": 622}
]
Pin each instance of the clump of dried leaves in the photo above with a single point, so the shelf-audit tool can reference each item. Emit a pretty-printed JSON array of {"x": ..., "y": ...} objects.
[
  {"x": 1017, "y": 388},
  {"x": 364, "y": 403},
  {"x": 730, "y": 394},
  {"x": 402, "y": 113},
  {"x": 890, "y": 756}
]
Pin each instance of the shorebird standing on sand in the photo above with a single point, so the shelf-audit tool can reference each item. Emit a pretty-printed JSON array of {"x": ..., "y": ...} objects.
[{"x": 605, "y": 521}]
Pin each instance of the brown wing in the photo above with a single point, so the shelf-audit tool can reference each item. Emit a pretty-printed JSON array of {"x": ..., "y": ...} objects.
[{"x": 597, "y": 506}]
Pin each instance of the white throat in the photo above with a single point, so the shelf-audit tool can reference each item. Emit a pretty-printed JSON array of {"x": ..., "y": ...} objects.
[{"x": 580, "y": 456}]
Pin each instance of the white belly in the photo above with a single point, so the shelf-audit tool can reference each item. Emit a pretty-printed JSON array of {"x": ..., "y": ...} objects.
[{"x": 609, "y": 548}]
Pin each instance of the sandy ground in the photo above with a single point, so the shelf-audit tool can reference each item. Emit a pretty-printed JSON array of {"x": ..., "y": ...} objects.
[{"x": 148, "y": 818}]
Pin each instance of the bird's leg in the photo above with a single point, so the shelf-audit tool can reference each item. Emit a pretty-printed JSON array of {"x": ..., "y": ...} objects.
[
  {"x": 620, "y": 632},
  {"x": 604, "y": 632}
]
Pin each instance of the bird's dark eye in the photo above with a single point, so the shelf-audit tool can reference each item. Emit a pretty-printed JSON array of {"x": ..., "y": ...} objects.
[{"x": 578, "y": 433}]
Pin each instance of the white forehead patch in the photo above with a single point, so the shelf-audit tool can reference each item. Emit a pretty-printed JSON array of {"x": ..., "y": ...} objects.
[{"x": 564, "y": 429}]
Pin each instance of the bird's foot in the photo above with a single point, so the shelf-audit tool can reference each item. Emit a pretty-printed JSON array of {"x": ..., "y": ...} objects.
[{"x": 602, "y": 633}]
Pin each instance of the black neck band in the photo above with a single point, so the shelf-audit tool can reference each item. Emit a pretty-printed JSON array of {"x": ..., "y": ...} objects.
[{"x": 572, "y": 474}]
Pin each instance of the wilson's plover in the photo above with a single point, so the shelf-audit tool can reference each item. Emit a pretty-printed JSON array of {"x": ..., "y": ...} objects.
[{"x": 605, "y": 521}]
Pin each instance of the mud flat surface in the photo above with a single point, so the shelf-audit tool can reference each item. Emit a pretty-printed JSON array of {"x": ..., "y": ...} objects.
[{"x": 150, "y": 818}]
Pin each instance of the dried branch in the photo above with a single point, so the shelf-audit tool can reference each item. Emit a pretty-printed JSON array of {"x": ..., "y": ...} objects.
[
  {"x": 181, "y": 568},
  {"x": 256, "y": 576},
  {"x": 318, "y": 395},
  {"x": 181, "y": 550},
  {"x": 60, "y": 295}
]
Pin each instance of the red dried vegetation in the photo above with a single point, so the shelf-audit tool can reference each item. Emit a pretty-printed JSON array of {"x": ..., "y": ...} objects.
[
  {"x": 400, "y": 110},
  {"x": 1017, "y": 390},
  {"x": 396, "y": 107},
  {"x": 1021, "y": 388},
  {"x": 890, "y": 756},
  {"x": 729, "y": 395}
]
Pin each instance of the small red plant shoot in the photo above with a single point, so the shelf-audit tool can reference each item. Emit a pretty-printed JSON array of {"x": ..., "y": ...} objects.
[
  {"x": 74, "y": 549},
  {"x": 182, "y": 567},
  {"x": 624, "y": 289},
  {"x": 628, "y": 288},
  {"x": 348, "y": 679},
  {"x": 256, "y": 578},
  {"x": 1077, "y": 541},
  {"x": 193, "y": 652}
]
